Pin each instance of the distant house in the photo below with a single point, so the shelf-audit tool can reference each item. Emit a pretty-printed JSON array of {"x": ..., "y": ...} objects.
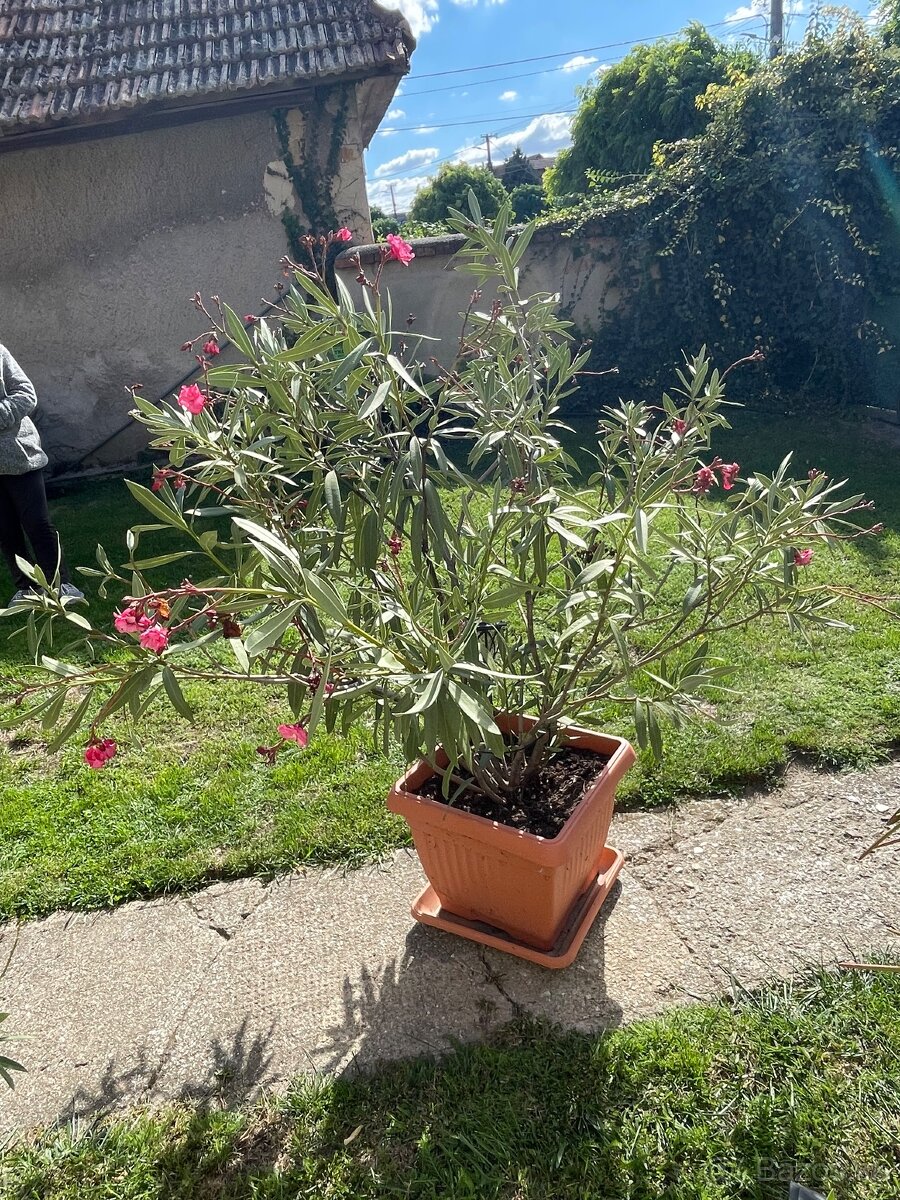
[
  {"x": 538, "y": 162},
  {"x": 541, "y": 163},
  {"x": 153, "y": 148}
]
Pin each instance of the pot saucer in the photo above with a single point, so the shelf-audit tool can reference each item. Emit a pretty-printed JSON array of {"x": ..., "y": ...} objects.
[{"x": 427, "y": 909}]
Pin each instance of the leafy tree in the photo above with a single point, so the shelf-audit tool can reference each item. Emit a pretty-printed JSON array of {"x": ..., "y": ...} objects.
[
  {"x": 517, "y": 170},
  {"x": 528, "y": 201},
  {"x": 383, "y": 224},
  {"x": 889, "y": 15},
  {"x": 774, "y": 230},
  {"x": 450, "y": 189},
  {"x": 649, "y": 97}
]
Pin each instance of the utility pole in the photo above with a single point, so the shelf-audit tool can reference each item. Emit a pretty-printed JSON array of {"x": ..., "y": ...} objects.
[
  {"x": 776, "y": 28},
  {"x": 487, "y": 138},
  {"x": 393, "y": 200}
]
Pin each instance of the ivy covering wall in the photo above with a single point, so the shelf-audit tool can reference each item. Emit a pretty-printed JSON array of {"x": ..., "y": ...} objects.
[
  {"x": 777, "y": 228},
  {"x": 313, "y": 177}
]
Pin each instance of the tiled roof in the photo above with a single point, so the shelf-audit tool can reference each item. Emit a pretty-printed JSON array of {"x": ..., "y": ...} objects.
[{"x": 64, "y": 61}]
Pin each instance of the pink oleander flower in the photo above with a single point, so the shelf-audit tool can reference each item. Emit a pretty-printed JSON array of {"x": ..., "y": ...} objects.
[
  {"x": 679, "y": 426},
  {"x": 250, "y": 319},
  {"x": 729, "y": 472},
  {"x": 399, "y": 249},
  {"x": 703, "y": 481},
  {"x": 343, "y": 235},
  {"x": 130, "y": 620},
  {"x": 211, "y": 348},
  {"x": 155, "y": 637},
  {"x": 395, "y": 544},
  {"x": 294, "y": 733},
  {"x": 159, "y": 478},
  {"x": 191, "y": 399},
  {"x": 98, "y": 753},
  {"x": 802, "y": 558}
]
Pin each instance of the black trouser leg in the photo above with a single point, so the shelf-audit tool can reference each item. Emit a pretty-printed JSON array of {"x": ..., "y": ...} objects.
[{"x": 24, "y": 515}]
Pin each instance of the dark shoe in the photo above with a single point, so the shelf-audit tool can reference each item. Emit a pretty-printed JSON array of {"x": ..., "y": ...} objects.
[{"x": 21, "y": 596}]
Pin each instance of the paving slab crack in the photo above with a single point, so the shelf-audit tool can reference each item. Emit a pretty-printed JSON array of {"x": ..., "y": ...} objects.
[
  {"x": 172, "y": 1039},
  {"x": 494, "y": 978}
]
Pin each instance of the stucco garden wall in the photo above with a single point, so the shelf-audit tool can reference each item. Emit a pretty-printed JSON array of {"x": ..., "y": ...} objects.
[
  {"x": 436, "y": 292},
  {"x": 104, "y": 244},
  {"x": 105, "y": 241}
]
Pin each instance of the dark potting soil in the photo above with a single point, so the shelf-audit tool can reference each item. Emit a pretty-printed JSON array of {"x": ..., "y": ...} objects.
[{"x": 543, "y": 806}]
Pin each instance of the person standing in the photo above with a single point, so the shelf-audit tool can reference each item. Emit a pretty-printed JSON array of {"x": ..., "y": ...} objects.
[{"x": 26, "y": 530}]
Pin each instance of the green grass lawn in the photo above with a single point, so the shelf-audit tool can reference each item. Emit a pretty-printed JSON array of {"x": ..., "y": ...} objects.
[
  {"x": 713, "y": 1102},
  {"x": 182, "y": 805}
]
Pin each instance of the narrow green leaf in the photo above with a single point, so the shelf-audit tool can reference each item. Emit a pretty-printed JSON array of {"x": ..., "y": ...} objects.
[
  {"x": 375, "y": 402},
  {"x": 175, "y": 694},
  {"x": 427, "y": 697},
  {"x": 323, "y": 595},
  {"x": 270, "y": 630},
  {"x": 239, "y": 651}
]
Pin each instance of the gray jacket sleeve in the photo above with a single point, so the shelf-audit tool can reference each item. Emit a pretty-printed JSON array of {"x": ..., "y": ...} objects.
[{"x": 19, "y": 400}]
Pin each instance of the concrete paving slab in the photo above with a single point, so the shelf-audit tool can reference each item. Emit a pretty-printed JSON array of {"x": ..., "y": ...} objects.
[{"x": 246, "y": 984}]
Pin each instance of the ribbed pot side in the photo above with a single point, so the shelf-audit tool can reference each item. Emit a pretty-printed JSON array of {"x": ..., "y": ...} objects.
[{"x": 518, "y": 882}]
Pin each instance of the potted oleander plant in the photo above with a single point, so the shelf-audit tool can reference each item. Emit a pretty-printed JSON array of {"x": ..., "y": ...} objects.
[{"x": 377, "y": 538}]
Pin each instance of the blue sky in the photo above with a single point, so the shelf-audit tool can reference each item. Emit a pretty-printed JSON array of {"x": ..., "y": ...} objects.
[{"x": 443, "y": 117}]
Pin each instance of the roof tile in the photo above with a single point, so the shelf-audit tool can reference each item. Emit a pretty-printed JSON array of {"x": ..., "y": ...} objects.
[{"x": 62, "y": 60}]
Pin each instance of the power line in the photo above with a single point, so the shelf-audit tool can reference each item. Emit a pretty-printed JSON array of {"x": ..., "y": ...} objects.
[
  {"x": 452, "y": 87},
  {"x": 514, "y": 116},
  {"x": 423, "y": 166},
  {"x": 515, "y": 62}
]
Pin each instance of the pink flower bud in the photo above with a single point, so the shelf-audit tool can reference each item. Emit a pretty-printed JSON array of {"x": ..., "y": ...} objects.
[
  {"x": 802, "y": 558},
  {"x": 729, "y": 472},
  {"x": 343, "y": 235},
  {"x": 211, "y": 348}
]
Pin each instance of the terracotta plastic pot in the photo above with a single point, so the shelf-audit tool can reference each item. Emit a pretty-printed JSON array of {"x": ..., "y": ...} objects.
[{"x": 517, "y": 882}]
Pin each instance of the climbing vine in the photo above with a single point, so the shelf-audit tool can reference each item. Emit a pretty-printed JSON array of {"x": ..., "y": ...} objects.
[
  {"x": 777, "y": 229},
  {"x": 313, "y": 178}
]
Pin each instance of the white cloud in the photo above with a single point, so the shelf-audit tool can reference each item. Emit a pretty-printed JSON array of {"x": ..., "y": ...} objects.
[
  {"x": 411, "y": 158},
  {"x": 404, "y": 190},
  {"x": 506, "y": 96},
  {"x": 579, "y": 62},
  {"x": 425, "y": 129},
  {"x": 421, "y": 14},
  {"x": 387, "y": 132},
  {"x": 760, "y": 8},
  {"x": 543, "y": 135},
  {"x": 475, "y": 3},
  {"x": 394, "y": 114}
]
